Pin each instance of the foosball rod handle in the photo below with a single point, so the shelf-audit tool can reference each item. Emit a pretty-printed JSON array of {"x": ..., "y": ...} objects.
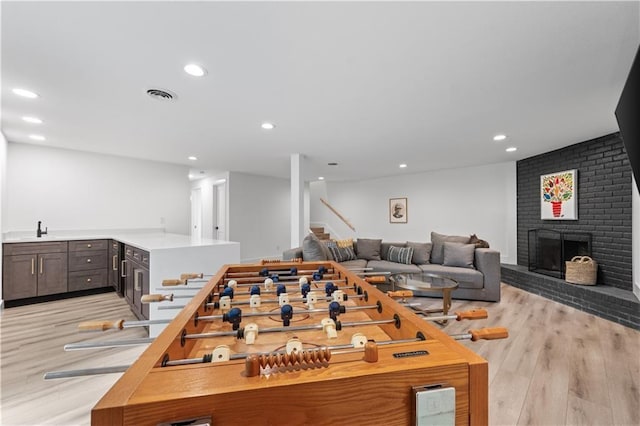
[
  {"x": 101, "y": 325},
  {"x": 151, "y": 298},
  {"x": 400, "y": 293},
  {"x": 473, "y": 314},
  {"x": 169, "y": 283},
  {"x": 191, "y": 276},
  {"x": 490, "y": 333}
]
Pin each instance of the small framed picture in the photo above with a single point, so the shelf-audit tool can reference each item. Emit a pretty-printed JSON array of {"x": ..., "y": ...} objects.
[{"x": 398, "y": 210}]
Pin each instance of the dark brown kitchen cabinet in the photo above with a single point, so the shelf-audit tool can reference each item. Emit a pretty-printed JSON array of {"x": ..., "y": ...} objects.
[
  {"x": 88, "y": 264},
  {"x": 34, "y": 269},
  {"x": 136, "y": 279},
  {"x": 115, "y": 261}
]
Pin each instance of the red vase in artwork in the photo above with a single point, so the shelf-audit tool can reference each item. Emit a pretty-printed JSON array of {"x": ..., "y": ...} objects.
[{"x": 557, "y": 208}]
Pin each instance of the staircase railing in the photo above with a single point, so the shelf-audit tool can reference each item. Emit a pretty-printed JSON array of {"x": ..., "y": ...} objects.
[{"x": 337, "y": 213}]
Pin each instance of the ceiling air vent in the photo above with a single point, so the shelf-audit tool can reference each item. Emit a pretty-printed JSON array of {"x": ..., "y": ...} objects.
[{"x": 161, "y": 95}]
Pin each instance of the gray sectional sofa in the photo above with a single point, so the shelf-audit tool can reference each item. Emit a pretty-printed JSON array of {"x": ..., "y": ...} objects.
[{"x": 477, "y": 270}]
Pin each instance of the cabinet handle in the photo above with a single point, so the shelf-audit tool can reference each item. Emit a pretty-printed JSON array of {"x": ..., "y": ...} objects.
[
  {"x": 88, "y": 280},
  {"x": 89, "y": 260},
  {"x": 114, "y": 262},
  {"x": 88, "y": 245},
  {"x": 136, "y": 279},
  {"x": 33, "y": 266},
  {"x": 123, "y": 272},
  {"x": 41, "y": 266}
]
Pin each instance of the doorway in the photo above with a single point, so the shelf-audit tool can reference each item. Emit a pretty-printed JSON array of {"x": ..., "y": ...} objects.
[{"x": 196, "y": 213}]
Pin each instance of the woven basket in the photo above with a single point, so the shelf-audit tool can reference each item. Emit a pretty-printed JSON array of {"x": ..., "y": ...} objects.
[{"x": 581, "y": 270}]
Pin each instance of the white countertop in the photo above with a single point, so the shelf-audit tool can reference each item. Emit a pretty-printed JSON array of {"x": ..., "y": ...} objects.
[{"x": 145, "y": 239}]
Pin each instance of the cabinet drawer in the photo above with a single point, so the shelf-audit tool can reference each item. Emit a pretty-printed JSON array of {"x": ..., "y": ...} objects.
[
  {"x": 88, "y": 245},
  {"x": 87, "y": 260},
  {"x": 87, "y": 280},
  {"x": 10, "y": 249},
  {"x": 137, "y": 255}
]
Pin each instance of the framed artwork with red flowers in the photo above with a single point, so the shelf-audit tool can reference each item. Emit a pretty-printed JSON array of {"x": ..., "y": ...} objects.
[{"x": 559, "y": 196}]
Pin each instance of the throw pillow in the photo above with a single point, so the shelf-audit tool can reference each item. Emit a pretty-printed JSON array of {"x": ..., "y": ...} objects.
[
  {"x": 313, "y": 249},
  {"x": 344, "y": 243},
  {"x": 478, "y": 242},
  {"x": 400, "y": 254},
  {"x": 421, "y": 252},
  {"x": 458, "y": 254},
  {"x": 437, "y": 241},
  {"x": 341, "y": 254},
  {"x": 368, "y": 249}
]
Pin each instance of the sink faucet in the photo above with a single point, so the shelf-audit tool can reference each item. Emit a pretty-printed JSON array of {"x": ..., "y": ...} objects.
[{"x": 40, "y": 232}]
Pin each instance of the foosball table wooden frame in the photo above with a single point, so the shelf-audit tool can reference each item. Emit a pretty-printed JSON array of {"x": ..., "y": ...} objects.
[{"x": 345, "y": 388}]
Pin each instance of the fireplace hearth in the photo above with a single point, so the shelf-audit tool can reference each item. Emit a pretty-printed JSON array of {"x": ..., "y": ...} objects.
[{"x": 550, "y": 249}]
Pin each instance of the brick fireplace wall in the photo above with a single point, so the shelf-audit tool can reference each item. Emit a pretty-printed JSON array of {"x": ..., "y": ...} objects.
[{"x": 604, "y": 203}]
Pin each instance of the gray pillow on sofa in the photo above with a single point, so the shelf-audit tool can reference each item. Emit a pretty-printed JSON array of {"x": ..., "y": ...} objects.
[
  {"x": 368, "y": 249},
  {"x": 400, "y": 254},
  {"x": 341, "y": 254},
  {"x": 437, "y": 241},
  {"x": 313, "y": 249},
  {"x": 421, "y": 252},
  {"x": 459, "y": 254}
]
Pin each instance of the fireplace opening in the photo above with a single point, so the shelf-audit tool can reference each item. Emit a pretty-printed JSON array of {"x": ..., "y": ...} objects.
[{"x": 549, "y": 250}]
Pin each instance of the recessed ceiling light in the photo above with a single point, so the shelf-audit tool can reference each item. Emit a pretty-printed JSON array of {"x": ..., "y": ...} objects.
[
  {"x": 402, "y": 166},
  {"x": 194, "y": 70},
  {"x": 511, "y": 149},
  {"x": 320, "y": 177},
  {"x": 499, "y": 137},
  {"x": 192, "y": 158},
  {"x": 25, "y": 93},
  {"x": 268, "y": 126},
  {"x": 37, "y": 137},
  {"x": 32, "y": 120}
]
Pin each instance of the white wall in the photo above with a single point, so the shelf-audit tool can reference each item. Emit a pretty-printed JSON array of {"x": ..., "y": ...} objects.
[
  {"x": 3, "y": 192},
  {"x": 480, "y": 200},
  {"x": 258, "y": 215},
  {"x": 73, "y": 190}
]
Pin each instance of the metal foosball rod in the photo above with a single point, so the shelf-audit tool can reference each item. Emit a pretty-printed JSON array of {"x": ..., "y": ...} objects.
[
  {"x": 473, "y": 335},
  {"x": 85, "y": 372},
  {"x": 322, "y": 326},
  {"x": 473, "y": 314},
  {"x": 293, "y": 271},
  {"x": 108, "y": 344}
]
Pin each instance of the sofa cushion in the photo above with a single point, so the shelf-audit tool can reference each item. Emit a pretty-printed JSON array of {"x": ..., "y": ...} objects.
[
  {"x": 458, "y": 254},
  {"x": 421, "y": 252},
  {"x": 341, "y": 254},
  {"x": 466, "y": 278},
  {"x": 384, "y": 249},
  {"x": 313, "y": 249},
  {"x": 400, "y": 254},
  {"x": 354, "y": 264},
  {"x": 368, "y": 249},
  {"x": 394, "y": 268},
  {"x": 437, "y": 241}
]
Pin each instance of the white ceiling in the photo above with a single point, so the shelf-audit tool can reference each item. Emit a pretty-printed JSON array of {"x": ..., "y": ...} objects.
[{"x": 369, "y": 85}]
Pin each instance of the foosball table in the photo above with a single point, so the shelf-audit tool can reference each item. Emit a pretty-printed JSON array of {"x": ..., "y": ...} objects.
[{"x": 299, "y": 343}]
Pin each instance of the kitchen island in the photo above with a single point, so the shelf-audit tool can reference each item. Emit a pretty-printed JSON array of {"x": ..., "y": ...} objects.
[{"x": 133, "y": 262}]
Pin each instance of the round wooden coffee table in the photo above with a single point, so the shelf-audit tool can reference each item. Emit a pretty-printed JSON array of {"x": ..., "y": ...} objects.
[{"x": 429, "y": 283}]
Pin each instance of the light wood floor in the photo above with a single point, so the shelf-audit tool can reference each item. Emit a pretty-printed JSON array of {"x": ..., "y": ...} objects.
[{"x": 560, "y": 366}]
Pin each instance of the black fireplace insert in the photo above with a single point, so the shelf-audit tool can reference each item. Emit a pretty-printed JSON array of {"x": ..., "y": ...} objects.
[{"x": 549, "y": 250}]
